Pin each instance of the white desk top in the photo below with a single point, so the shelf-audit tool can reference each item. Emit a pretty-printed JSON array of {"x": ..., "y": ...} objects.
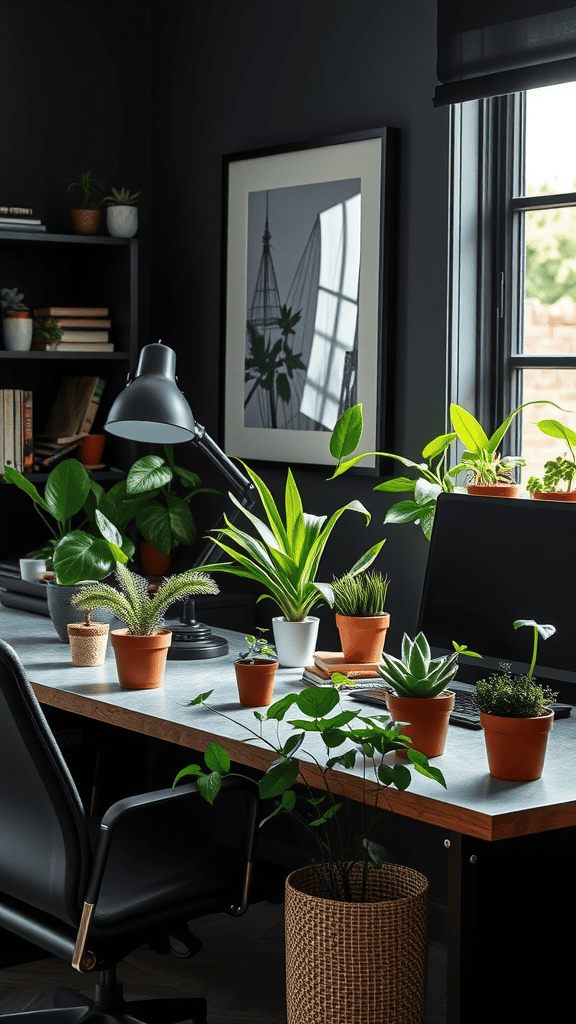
[{"x": 474, "y": 803}]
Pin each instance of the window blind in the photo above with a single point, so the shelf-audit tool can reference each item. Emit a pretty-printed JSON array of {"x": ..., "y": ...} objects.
[{"x": 503, "y": 46}]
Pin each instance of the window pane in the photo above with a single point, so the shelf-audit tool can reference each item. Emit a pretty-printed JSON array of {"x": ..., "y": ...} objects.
[
  {"x": 551, "y": 139},
  {"x": 556, "y": 385}
]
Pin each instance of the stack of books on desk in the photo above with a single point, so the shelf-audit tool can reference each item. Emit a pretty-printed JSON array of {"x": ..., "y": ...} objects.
[
  {"x": 84, "y": 329},
  {"x": 18, "y": 593},
  {"x": 19, "y": 218},
  {"x": 361, "y": 676}
]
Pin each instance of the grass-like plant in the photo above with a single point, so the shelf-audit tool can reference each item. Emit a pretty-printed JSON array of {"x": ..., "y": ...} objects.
[
  {"x": 87, "y": 187},
  {"x": 517, "y": 696},
  {"x": 361, "y": 595},
  {"x": 417, "y": 673},
  {"x": 134, "y": 605},
  {"x": 346, "y": 738},
  {"x": 284, "y": 555}
]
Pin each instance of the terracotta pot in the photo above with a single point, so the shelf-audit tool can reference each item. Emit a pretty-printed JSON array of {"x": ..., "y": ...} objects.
[
  {"x": 428, "y": 719},
  {"x": 495, "y": 490},
  {"x": 152, "y": 561},
  {"x": 554, "y": 495},
  {"x": 85, "y": 222},
  {"x": 88, "y": 643},
  {"x": 255, "y": 681},
  {"x": 363, "y": 963},
  {"x": 140, "y": 660},
  {"x": 516, "y": 747},
  {"x": 362, "y": 637},
  {"x": 90, "y": 449}
]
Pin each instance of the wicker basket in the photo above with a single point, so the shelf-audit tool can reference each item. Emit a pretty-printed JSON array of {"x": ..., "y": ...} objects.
[
  {"x": 359, "y": 963},
  {"x": 88, "y": 643}
]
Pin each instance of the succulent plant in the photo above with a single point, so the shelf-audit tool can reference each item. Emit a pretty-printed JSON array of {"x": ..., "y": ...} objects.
[
  {"x": 122, "y": 197},
  {"x": 87, "y": 186},
  {"x": 132, "y": 603},
  {"x": 417, "y": 673},
  {"x": 364, "y": 594},
  {"x": 11, "y": 300}
]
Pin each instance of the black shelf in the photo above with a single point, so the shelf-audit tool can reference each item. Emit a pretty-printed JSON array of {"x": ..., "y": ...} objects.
[
  {"x": 63, "y": 355},
  {"x": 46, "y": 236}
]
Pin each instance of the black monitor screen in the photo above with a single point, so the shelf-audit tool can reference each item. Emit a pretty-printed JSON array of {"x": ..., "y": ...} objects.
[{"x": 492, "y": 561}]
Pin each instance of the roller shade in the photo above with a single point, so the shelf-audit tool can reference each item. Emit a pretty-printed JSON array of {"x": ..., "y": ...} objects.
[{"x": 498, "y": 47}]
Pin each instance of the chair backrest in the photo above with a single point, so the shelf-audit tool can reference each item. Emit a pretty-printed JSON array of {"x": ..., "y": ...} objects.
[{"x": 44, "y": 848}]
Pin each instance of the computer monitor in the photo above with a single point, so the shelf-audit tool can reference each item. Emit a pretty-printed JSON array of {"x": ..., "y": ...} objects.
[{"x": 492, "y": 561}]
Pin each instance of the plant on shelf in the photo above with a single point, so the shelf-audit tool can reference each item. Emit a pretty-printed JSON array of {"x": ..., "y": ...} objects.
[
  {"x": 141, "y": 648},
  {"x": 11, "y": 301},
  {"x": 86, "y": 215},
  {"x": 256, "y": 672},
  {"x": 122, "y": 197},
  {"x": 432, "y": 475},
  {"x": 314, "y": 742},
  {"x": 559, "y": 470},
  {"x": 122, "y": 213},
  {"x": 284, "y": 559},
  {"x": 361, "y": 620},
  {"x": 516, "y": 717},
  {"x": 421, "y": 698},
  {"x": 148, "y": 497},
  {"x": 16, "y": 320},
  {"x": 46, "y": 329}
]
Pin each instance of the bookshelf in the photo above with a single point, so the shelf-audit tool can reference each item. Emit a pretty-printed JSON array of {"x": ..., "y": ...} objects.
[{"x": 68, "y": 270}]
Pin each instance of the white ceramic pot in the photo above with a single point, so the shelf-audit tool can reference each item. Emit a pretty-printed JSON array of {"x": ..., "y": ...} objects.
[
  {"x": 122, "y": 221},
  {"x": 17, "y": 333},
  {"x": 295, "y": 641}
]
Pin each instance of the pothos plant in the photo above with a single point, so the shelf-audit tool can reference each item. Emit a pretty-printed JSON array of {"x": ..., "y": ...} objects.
[{"x": 338, "y": 738}]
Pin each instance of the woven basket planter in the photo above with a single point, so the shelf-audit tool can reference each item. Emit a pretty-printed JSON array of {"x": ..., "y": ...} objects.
[{"x": 359, "y": 963}]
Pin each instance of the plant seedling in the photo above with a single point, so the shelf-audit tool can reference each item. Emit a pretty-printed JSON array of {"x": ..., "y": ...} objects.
[{"x": 258, "y": 647}]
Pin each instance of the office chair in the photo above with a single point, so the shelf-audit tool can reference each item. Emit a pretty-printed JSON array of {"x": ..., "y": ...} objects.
[{"x": 91, "y": 891}]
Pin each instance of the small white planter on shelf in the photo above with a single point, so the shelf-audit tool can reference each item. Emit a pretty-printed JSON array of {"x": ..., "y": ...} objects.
[
  {"x": 295, "y": 642},
  {"x": 122, "y": 221},
  {"x": 17, "y": 331}
]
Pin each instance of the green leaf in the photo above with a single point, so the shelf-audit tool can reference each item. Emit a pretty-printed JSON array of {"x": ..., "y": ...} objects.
[
  {"x": 217, "y": 759},
  {"x": 397, "y": 775},
  {"x": 277, "y": 779},
  {"x": 200, "y": 698},
  {"x": 280, "y": 707},
  {"x": 209, "y": 786},
  {"x": 367, "y": 558},
  {"x": 403, "y": 512},
  {"x": 468, "y": 429},
  {"x": 80, "y": 556},
  {"x": 316, "y": 702},
  {"x": 396, "y": 485},
  {"x": 153, "y": 521},
  {"x": 148, "y": 474},
  {"x": 191, "y": 769},
  {"x": 553, "y": 428},
  {"x": 544, "y": 631},
  {"x": 347, "y": 433},
  {"x": 292, "y": 744},
  {"x": 66, "y": 490},
  {"x": 422, "y": 765},
  {"x": 437, "y": 446},
  {"x": 12, "y": 476},
  {"x": 332, "y": 810}
]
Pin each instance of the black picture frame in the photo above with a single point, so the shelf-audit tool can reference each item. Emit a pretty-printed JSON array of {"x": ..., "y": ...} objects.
[{"x": 309, "y": 230}]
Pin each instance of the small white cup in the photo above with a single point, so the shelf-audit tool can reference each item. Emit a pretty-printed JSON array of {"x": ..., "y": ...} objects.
[{"x": 31, "y": 569}]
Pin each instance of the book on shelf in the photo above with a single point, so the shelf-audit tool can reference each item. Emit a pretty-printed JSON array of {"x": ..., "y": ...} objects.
[
  {"x": 22, "y": 227},
  {"x": 74, "y": 409},
  {"x": 334, "y": 661},
  {"x": 72, "y": 321},
  {"x": 90, "y": 336},
  {"x": 8, "y": 428},
  {"x": 18, "y": 210},
  {"x": 72, "y": 346},
  {"x": 18, "y": 220},
  {"x": 84, "y": 311},
  {"x": 27, "y": 432},
  {"x": 47, "y": 458},
  {"x": 51, "y": 444}
]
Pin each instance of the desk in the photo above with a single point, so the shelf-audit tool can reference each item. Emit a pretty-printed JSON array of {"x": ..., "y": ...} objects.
[{"x": 496, "y": 833}]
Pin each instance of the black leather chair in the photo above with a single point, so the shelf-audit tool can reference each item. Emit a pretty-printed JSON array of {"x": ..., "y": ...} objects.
[{"x": 91, "y": 891}]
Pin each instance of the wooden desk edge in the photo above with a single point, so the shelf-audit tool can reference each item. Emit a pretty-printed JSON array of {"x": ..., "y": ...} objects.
[{"x": 410, "y": 804}]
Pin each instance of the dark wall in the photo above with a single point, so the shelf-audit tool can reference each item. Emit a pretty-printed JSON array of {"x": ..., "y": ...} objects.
[{"x": 230, "y": 76}]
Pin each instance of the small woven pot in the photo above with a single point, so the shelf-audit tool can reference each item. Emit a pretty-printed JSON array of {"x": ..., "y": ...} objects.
[
  {"x": 255, "y": 681},
  {"x": 362, "y": 963},
  {"x": 140, "y": 660},
  {"x": 362, "y": 637},
  {"x": 85, "y": 222},
  {"x": 428, "y": 719},
  {"x": 495, "y": 490},
  {"x": 88, "y": 643},
  {"x": 516, "y": 747}
]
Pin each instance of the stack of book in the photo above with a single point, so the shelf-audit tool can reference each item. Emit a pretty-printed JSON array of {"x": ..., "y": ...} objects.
[
  {"x": 84, "y": 329},
  {"x": 327, "y": 662},
  {"x": 19, "y": 218},
  {"x": 70, "y": 419},
  {"x": 16, "y": 430}
]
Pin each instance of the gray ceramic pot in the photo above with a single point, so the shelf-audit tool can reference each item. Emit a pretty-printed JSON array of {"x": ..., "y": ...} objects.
[{"x": 62, "y": 611}]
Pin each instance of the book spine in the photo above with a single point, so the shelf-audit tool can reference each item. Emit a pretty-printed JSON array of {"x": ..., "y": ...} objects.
[
  {"x": 2, "y": 431},
  {"x": 71, "y": 311},
  {"x": 88, "y": 336},
  {"x": 73, "y": 346},
  {"x": 92, "y": 406},
  {"x": 8, "y": 428},
  {"x": 18, "y": 438},
  {"x": 16, "y": 210},
  {"x": 71, "y": 321},
  {"x": 55, "y": 456},
  {"x": 27, "y": 433},
  {"x": 18, "y": 220},
  {"x": 22, "y": 227}
]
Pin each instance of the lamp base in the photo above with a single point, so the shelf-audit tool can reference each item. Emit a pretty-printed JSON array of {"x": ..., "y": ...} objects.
[{"x": 194, "y": 641}]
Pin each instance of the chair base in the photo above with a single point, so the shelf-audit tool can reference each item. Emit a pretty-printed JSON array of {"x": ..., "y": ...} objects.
[{"x": 115, "y": 1010}]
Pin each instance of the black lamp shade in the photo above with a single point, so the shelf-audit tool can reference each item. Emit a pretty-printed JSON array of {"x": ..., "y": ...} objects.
[{"x": 152, "y": 408}]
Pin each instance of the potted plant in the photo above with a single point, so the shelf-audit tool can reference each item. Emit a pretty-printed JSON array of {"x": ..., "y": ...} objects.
[
  {"x": 355, "y": 925},
  {"x": 516, "y": 717},
  {"x": 419, "y": 697},
  {"x": 86, "y": 217},
  {"x": 360, "y": 617},
  {"x": 432, "y": 474},
  {"x": 88, "y": 641},
  {"x": 141, "y": 647},
  {"x": 46, "y": 331},
  {"x": 161, "y": 514},
  {"x": 88, "y": 551},
  {"x": 16, "y": 321},
  {"x": 122, "y": 214},
  {"x": 284, "y": 558},
  {"x": 556, "y": 471},
  {"x": 256, "y": 672}
]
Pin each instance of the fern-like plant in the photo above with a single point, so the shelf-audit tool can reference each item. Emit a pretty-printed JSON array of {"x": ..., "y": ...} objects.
[{"x": 133, "y": 604}]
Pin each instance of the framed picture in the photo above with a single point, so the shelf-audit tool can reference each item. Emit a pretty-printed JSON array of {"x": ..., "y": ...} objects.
[{"x": 308, "y": 306}]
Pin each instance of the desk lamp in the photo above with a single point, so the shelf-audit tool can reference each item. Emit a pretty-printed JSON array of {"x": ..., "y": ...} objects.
[{"x": 152, "y": 409}]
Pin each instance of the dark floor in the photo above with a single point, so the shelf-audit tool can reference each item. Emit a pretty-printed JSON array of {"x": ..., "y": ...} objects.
[{"x": 240, "y": 971}]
